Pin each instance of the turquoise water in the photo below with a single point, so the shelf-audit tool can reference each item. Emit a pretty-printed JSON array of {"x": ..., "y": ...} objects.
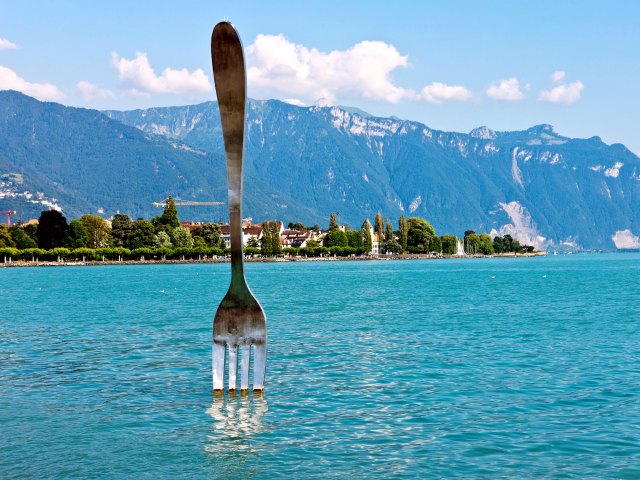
[{"x": 470, "y": 368}]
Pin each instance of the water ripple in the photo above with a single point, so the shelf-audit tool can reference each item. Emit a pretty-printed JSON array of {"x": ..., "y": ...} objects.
[{"x": 465, "y": 368}]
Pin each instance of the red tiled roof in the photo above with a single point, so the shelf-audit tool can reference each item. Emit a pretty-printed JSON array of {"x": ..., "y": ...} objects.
[
  {"x": 253, "y": 230},
  {"x": 191, "y": 226},
  {"x": 296, "y": 233}
]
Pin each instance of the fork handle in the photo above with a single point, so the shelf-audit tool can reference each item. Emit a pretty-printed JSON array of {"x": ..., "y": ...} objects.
[{"x": 230, "y": 79}]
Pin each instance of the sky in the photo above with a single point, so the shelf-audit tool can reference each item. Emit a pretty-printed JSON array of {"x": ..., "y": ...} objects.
[{"x": 452, "y": 65}]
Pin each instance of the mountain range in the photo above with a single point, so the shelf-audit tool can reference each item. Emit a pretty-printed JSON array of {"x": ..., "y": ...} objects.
[{"x": 301, "y": 163}]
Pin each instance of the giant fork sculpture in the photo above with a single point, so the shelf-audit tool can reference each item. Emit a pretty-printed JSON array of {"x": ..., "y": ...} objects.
[{"x": 240, "y": 320}]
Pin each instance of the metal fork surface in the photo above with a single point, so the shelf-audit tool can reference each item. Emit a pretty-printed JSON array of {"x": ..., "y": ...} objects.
[{"x": 239, "y": 321}]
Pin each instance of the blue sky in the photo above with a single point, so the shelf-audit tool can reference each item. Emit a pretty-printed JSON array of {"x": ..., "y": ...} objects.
[{"x": 453, "y": 65}]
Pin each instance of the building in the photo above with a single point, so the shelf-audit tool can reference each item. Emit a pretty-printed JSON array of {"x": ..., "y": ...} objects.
[
  {"x": 249, "y": 231},
  {"x": 295, "y": 238},
  {"x": 191, "y": 226},
  {"x": 376, "y": 243}
]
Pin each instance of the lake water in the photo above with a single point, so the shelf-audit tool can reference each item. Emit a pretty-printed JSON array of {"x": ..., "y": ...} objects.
[{"x": 468, "y": 368}]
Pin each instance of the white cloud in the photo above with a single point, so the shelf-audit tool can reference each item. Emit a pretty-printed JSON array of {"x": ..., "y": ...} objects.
[
  {"x": 89, "y": 91},
  {"x": 558, "y": 76},
  {"x": 566, "y": 93},
  {"x": 278, "y": 66},
  {"x": 439, "y": 92},
  {"x": 508, "y": 89},
  {"x": 140, "y": 79},
  {"x": 10, "y": 80},
  {"x": 7, "y": 45}
]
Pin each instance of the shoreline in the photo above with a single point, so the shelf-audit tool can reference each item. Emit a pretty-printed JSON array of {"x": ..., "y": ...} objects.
[{"x": 98, "y": 263}]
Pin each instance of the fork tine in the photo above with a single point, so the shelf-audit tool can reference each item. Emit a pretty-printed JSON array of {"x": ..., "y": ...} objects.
[
  {"x": 218, "y": 366},
  {"x": 233, "y": 367},
  {"x": 244, "y": 367},
  {"x": 259, "y": 366}
]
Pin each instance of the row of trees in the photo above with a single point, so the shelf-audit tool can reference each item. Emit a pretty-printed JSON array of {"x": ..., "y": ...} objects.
[
  {"x": 417, "y": 235},
  {"x": 485, "y": 245},
  {"x": 112, "y": 254},
  {"x": 359, "y": 240},
  {"x": 93, "y": 232},
  {"x": 165, "y": 237}
]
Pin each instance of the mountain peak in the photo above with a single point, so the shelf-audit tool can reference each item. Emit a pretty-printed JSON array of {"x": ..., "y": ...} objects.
[
  {"x": 324, "y": 102},
  {"x": 542, "y": 128},
  {"x": 355, "y": 111},
  {"x": 483, "y": 132}
]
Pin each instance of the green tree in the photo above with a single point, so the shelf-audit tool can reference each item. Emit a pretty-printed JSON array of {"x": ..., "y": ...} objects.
[
  {"x": 163, "y": 240},
  {"x": 198, "y": 242},
  {"x": 388, "y": 233},
  {"x": 403, "y": 230},
  {"x": 379, "y": 226},
  {"x": 98, "y": 231},
  {"x": 83, "y": 253},
  {"x": 485, "y": 244},
  {"x": 253, "y": 242},
  {"x": 276, "y": 247},
  {"x": 419, "y": 234},
  {"x": 498, "y": 244},
  {"x": 169, "y": 217},
  {"x": 449, "y": 244},
  {"x": 435, "y": 244},
  {"x": 121, "y": 230},
  {"x": 354, "y": 238},
  {"x": 21, "y": 239},
  {"x": 333, "y": 222},
  {"x": 76, "y": 236},
  {"x": 335, "y": 238},
  {"x": 393, "y": 246},
  {"x": 31, "y": 229},
  {"x": 266, "y": 243},
  {"x": 471, "y": 242},
  {"x": 8, "y": 253},
  {"x": 52, "y": 227},
  {"x": 297, "y": 226},
  {"x": 181, "y": 238},
  {"x": 59, "y": 253},
  {"x": 367, "y": 242},
  {"x": 511, "y": 244},
  {"x": 210, "y": 233},
  {"x": 6, "y": 241},
  {"x": 142, "y": 235},
  {"x": 507, "y": 242}
]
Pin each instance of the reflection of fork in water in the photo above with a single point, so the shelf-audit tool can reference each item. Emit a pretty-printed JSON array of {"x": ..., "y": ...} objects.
[
  {"x": 230, "y": 447},
  {"x": 236, "y": 418}
]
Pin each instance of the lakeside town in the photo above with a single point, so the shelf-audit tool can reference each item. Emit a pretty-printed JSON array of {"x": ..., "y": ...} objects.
[{"x": 91, "y": 238}]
